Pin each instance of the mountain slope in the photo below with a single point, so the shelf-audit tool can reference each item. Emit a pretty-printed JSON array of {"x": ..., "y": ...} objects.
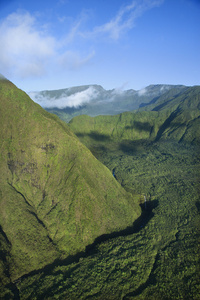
[
  {"x": 184, "y": 115},
  {"x": 154, "y": 154},
  {"x": 93, "y": 100},
  {"x": 55, "y": 197},
  {"x": 176, "y": 118}
]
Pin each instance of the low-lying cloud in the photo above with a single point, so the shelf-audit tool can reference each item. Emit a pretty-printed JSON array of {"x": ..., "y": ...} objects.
[
  {"x": 160, "y": 90},
  {"x": 74, "y": 100},
  {"x": 142, "y": 92}
]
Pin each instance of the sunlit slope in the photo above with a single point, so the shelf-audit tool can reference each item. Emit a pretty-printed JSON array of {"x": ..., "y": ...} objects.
[
  {"x": 156, "y": 154},
  {"x": 175, "y": 118},
  {"x": 55, "y": 197},
  {"x": 184, "y": 118}
]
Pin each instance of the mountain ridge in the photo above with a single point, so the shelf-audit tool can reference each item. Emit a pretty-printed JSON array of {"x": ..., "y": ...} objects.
[
  {"x": 56, "y": 199},
  {"x": 172, "y": 116},
  {"x": 154, "y": 152},
  {"x": 54, "y": 193},
  {"x": 94, "y": 100}
]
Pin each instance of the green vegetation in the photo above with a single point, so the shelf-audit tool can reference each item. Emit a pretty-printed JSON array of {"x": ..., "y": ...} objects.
[
  {"x": 99, "y": 101},
  {"x": 161, "y": 260},
  {"x": 154, "y": 155},
  {"x": 174, "y": 119},
  {"x": 55, "y": 197}
]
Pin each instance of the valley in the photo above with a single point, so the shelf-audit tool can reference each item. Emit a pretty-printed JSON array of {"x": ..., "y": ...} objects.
[
  {"x": 161, "y": 260},
  {"x": 136, "y": 177}
]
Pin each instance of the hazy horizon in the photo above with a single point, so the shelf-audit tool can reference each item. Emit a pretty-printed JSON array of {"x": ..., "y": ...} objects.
[{"x": 128, "y": 44}]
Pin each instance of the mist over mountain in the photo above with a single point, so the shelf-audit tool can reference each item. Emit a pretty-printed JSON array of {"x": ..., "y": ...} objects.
[
  {"x": 174, "y": 115},
  {"x": 94, "y": 100}
]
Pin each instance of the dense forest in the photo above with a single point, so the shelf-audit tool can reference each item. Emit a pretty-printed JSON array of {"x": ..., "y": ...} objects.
[{"x": 103, "y": 207}]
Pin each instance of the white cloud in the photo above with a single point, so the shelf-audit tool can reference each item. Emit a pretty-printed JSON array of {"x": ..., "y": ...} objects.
[
  {"x": 120, "y": 89},
  {"x": 125, "y": 19},
  {"x": 76, "y": 29},
  {"x": 142, "y": 92},
  {"x": 73, "y": 61},
  {"x": 24, "y": 49},
  {"x": 74, "y": 100},
  {"x": 63, "y": 2},
  {"x": 28, "y": 50}
]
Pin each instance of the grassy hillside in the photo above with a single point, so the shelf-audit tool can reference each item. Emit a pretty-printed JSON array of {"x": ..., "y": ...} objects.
[
  {"x": 160, "y": 260},
  {"x": 153, "y": 154},
  {"x": 176, "y": 118},
  {"x": 55, "y": 197}
]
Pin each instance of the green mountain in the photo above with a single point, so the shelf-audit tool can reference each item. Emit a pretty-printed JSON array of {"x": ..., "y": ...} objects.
[
  {"x": 55, "y": 196},
  {"x": 94, "y": 100},
  {"x": 169, "y": 117},
  {"x": 159, "y": 260},
  {"x": 154, "y": 152}
]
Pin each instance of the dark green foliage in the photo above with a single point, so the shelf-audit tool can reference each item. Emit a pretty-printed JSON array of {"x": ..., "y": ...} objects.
[
  {"x": 176, "y": 119},
  {"x": 154, "y": 155},
  {"x": 161, "y": 260},
  {"x": 55, "y": 197}
]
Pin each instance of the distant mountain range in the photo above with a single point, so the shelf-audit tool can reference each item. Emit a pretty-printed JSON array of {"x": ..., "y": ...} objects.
[
  {"x": 174, "y": 115},
  {"x": 94, "y": 100}
]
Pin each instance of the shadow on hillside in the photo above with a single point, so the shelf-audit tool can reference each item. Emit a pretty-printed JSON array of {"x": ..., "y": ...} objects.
[
  {"x": 198, "y": 206},
  {"x": 95, "y": 136},
  {"x": 132, "y": 147},
  {"x": 143, "y": 104},
  {"x": 171, "y": 95},
  {"x": 142, "y": 126},
  {"x": 139, "y": 224},
  {"x": 167, "y": 123},
  {"x": 159, "y": 106}
]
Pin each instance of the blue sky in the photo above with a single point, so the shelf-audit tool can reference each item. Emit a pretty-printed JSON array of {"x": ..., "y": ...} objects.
[{"x": 117, "y": 44}]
